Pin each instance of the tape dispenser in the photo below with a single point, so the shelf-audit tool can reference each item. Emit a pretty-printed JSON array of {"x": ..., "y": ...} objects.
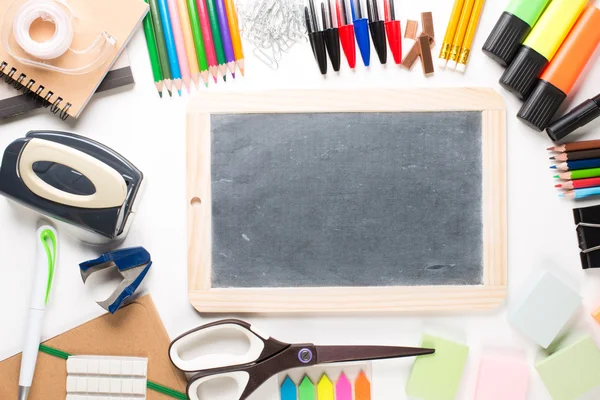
[{"x": 80, "y": 183}]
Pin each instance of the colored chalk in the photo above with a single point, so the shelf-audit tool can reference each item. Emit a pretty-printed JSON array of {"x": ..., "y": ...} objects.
[
  {"x": 343, "y": 388},
  {"x": 288, "y": 390},
  {"x": 306, "y": 390},
  {"x": 325, "y": 389},
  {"x": 362, "y": 387},
  {"x": 502, "y": 378},
  {"x": 573, "y": 371},
  {"x": 547, "y": 306},
  {"x": 437, "y": 376}
]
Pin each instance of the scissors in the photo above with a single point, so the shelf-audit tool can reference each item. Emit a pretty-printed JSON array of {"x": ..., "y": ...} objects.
[{"x": 225, "y": 371}]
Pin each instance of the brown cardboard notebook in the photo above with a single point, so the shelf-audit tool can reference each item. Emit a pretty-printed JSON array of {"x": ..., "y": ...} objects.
[
  {"x": 134, "y": 330},
  {"x": 70, "y": 93}
]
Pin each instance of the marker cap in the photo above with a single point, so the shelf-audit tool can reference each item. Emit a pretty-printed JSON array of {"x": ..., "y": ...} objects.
[
  {"x": 503, "y": 43},
  {"x": 541, "y": 106},
  {"x": 575, "y": 119},
  {"x": 522, "y": 74}
]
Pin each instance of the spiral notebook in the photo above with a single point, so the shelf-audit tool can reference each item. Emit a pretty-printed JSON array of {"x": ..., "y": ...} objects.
[
  {"x": 15, "y": 102},
  {"x": 69, "y": 94}
]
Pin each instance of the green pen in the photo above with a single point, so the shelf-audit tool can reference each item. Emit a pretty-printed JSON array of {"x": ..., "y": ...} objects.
[
  {"x": 512, "y": 28},
  {"x": 216, "y": 32},
  {"x": 47, "y": 254}
]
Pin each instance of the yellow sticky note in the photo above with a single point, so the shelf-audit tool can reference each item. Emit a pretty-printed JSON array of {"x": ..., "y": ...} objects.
[{"x": 325, "y": 389}]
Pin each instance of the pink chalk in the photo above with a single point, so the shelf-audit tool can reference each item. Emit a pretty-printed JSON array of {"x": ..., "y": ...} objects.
[
  {"x": 343, "y": 388},
  {"x": 502, "y": 378}
]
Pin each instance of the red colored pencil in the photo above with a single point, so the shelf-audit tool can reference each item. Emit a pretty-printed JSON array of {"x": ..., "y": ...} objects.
[
  {"x": 346, "y": 32},
  {"x": 394, "y": 31},
  {"x": 579, "y": 184},
  {"x": 209, "y": 44}
]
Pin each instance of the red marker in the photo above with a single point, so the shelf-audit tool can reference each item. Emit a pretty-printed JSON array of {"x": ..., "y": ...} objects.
[
  {"x": 394, "y": 30},
  {"x": 346, "y": 31}
]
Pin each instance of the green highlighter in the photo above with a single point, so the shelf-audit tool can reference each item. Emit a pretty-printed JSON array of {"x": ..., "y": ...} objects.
[{"x": 512, "y": 28}]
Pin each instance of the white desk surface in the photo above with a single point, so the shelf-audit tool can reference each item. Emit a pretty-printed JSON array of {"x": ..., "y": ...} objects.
[{"x": 150, "y": 132}]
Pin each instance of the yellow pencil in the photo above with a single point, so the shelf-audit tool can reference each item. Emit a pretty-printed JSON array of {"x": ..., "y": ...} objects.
[
  {"x": 461, "y": 30},
  {"x": 450, "y": 31},
  {"x": 190, "y": 48},
  {"x": 469, "y": 36}
]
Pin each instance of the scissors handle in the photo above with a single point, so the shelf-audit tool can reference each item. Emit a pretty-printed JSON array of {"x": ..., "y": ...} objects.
[
  {"x": 247, "y": 378},
  {"x": 211, "y": 346}
]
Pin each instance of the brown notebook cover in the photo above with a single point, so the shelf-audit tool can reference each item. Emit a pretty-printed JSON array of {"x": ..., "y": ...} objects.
[
  {"x": 135, "y": 330},
  {"x": 117, "y": 17}
]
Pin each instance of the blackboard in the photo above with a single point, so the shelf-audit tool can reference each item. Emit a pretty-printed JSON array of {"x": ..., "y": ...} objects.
[{"x": 316, "y": 198}]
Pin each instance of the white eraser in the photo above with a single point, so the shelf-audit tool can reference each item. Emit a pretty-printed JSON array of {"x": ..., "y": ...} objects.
[
  {"x": 461, "y": 68},
  {"x": 115, "y": 367},
  {"x": 442, "y": 62},
  {"x": 127, "y": 367},
  {"x": 451, "y": 65}
]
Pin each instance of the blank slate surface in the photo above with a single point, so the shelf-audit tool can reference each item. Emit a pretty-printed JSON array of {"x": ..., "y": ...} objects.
[
  {"x": 363, "y": 200},
  {"x": 338, "y": 199}
]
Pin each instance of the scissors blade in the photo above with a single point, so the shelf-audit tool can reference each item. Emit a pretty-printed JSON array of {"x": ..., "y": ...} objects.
[{"x": 333, "y": 354}]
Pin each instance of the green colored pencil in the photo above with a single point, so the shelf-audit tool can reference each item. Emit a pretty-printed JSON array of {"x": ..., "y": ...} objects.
[
  {"x": 153, "y": 52},
  {"x": 198, "y": 39},
  {"x": 161, "y": 46},
  {"x": 579, "y": 174},
  {"x": 216, "y": 32}
]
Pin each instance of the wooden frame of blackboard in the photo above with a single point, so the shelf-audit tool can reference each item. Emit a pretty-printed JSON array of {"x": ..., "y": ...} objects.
[{"x": 347, "y": 299}]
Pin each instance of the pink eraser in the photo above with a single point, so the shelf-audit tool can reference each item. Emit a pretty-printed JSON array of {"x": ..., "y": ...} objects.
[{"x": 502, "y": 378}]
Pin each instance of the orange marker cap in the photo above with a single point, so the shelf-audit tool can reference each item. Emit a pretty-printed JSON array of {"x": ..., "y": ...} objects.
[{"x": 575, "y": 52}]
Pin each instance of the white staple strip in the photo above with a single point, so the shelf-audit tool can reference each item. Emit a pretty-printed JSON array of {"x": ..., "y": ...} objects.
[{"x": 110, "y": 378}]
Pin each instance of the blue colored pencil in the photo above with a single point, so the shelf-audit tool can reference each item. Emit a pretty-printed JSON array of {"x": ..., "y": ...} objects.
[
  {"x": 165, "y": 18},
  {"x": 581, "y": 193},
  {"x": 578, "y": 164}
]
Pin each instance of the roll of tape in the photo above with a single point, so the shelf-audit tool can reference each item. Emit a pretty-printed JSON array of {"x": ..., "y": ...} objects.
[{"x": 47, "y": 10}]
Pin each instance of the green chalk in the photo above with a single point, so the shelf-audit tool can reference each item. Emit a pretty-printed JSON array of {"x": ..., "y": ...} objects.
[
  {"x": 306, "y": 390},
  {"x": 437, "y": 376},
  {"x": 572, "y": 371}
]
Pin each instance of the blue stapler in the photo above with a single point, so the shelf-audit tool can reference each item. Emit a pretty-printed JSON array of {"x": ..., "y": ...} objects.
[{"x": 132, "y": 264}]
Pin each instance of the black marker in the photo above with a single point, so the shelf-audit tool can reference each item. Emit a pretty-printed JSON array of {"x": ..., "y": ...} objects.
[
  {"x": 377, "y": 27},
  {"x": 316, "y": 37},
  {"x": 332, "y": 36},
  {"x": 581, "y": 115}
]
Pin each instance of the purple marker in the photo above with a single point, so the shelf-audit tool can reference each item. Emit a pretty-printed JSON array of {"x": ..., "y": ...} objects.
[{"x": 227, "y": 44}]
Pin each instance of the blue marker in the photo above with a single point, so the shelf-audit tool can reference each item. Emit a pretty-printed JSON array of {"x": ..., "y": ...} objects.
[
  {"x": 581, "y": 193},
  {"x": 578, "y": 164},
  {"x": 170, "y": 39},
  {"x": 288, "y": 390},
  {"x": 361, "y": 30}
]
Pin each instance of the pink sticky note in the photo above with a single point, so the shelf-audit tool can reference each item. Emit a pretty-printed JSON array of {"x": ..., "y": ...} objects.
[
  {"x": 502, "y": 378},
  {"x": 343, "y": 388}
]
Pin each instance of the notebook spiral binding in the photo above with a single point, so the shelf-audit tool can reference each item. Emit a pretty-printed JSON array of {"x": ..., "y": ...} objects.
[{"x": 11, "y": 77}]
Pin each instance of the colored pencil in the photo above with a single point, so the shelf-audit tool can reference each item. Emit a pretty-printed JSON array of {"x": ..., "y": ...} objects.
[
  {"x": 200, "y": 52},
  {"x": 153, "y": 52},
  {"x": 216, "y": 33},
  {"x": 579, "y": 174},
  {"x": 161, "y": 46},
  {"x": 180, "y": 43},
  {"x": 576, "y": 146},
  {"x": 188, "y": 37},
  {"x": 170, "y": 41},
  {"x": 226, "y": 36},
  {"x": 579, "y": 184},
  {"x": 463, "y": 58},
  {"x": 579, "y": 164},
  {"x": 581, "y": 193},
  {"x": 209, "y": 44},
  {"x": 236, "y": 38},
  {"x": 459, "y": 36},
  {"x": 577, "y": 155}
]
